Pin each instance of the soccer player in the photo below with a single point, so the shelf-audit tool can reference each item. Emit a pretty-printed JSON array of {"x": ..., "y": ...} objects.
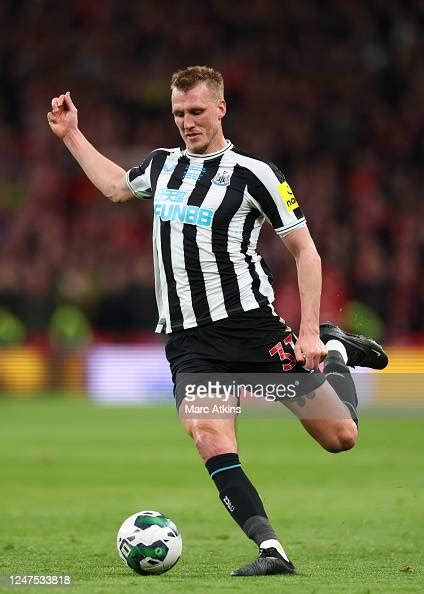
[{"x": 214, "y": 291}]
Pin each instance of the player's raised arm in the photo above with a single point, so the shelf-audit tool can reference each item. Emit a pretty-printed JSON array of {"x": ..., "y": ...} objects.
[{"x": 106, "y": 175}]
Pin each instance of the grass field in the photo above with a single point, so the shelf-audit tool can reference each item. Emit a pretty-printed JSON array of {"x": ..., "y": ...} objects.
[{"x": 71, "y": 472}]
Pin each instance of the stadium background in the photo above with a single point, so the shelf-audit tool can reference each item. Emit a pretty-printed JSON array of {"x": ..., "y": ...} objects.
[{"x": 333, "y": 92}]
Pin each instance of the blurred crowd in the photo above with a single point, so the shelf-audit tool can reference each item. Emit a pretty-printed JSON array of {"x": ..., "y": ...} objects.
[{"x": 332, "y": 91}]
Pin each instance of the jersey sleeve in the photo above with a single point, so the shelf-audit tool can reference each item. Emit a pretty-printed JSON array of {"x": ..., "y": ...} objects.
[
  {"x": 138, "y": 178},
  {"x": 274, "y": 198}
]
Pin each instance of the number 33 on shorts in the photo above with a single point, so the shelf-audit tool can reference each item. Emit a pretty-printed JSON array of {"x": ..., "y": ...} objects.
[{"x": 278, "y": 349}]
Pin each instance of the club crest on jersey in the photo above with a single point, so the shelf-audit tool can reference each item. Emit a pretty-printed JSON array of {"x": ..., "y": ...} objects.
[
  {"x": 222, "y": 178},
  {"x": 287, "y": 195}
]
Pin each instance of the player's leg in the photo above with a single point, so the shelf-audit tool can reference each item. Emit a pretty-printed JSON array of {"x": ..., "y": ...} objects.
[
  {"x": 326, "y": 418},
  {"x": 215, "y": 439},
  {"x": 216, "y": 442},
  {"x": 330, "y": 413},
  {"x": 345, "y": 351},
  {"x": 212, "y": 437}
]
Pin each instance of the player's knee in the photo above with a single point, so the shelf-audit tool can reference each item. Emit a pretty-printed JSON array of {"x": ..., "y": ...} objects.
[
  {"x": 342, "y": 438},
  {"x": 206, "y": 436},
  {"x": 210, "y": 440},
  {"x": 188, "y": 425},
  {"x": 211, "y": 437}
]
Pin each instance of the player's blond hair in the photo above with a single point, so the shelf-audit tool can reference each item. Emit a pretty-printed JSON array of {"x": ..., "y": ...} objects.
[{"x": 186, "y": 79}]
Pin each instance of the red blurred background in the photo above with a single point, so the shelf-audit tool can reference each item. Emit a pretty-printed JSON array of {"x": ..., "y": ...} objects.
[{"x": 331, "y": 91}]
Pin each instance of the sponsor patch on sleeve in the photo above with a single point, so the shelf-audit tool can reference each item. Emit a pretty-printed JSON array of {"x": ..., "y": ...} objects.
[{"x": 287, "y": 195}]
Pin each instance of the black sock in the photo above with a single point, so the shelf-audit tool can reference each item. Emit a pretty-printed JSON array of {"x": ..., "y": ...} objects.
[
  {"x": 339, "y": 378},
  {"x": 240, "y": 497}
]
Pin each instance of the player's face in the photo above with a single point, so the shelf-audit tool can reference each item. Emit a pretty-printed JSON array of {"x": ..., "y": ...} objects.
[{"x": 197, "y": 115}]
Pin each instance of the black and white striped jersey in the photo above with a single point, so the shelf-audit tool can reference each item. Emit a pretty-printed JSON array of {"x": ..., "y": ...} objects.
[{"x": 208, "y": 212}]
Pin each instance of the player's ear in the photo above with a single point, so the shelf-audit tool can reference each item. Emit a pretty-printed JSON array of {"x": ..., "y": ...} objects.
[{"x": 222, "y": 108}]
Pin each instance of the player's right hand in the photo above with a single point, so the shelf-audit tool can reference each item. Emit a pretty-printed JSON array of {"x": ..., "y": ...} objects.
[{"x": 64, "y": 115}]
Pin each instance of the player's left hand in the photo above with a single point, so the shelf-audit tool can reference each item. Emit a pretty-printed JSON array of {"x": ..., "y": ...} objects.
[{"x": 310, "y": 350}]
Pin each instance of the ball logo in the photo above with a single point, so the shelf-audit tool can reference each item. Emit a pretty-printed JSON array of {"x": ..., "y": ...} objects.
[{"x": 288, "y": 197}]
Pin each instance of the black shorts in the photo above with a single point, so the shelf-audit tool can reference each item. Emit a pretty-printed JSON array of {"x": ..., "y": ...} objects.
[{"x": 256, "y": 341}]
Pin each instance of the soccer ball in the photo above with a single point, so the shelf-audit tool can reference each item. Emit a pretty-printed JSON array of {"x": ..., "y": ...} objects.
[{"x": 149, "y": 543}]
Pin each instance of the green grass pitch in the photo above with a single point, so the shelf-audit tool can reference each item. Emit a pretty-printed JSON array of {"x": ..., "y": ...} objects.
[{"x": 71, "y": 472}]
